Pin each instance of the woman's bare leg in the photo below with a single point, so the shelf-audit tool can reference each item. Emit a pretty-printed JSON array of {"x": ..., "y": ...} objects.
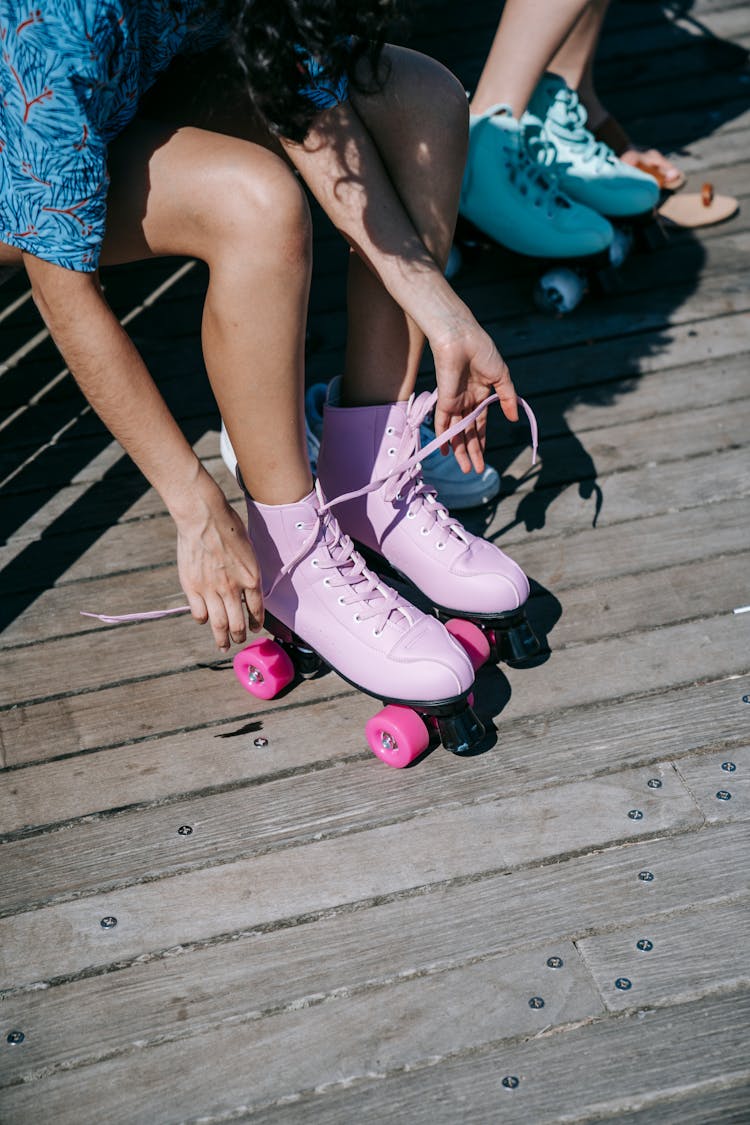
[
  {"x": 529, "y": 34},
  {"x": 419, "y": 125},
  {"x": 575, "y": 63},
  {"x": 238, "y": 207}
]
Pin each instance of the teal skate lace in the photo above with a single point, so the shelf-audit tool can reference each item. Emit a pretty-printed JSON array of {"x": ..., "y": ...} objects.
[
  {"x": 566, "y": 119},
  {"x": 530, "y": 165}
]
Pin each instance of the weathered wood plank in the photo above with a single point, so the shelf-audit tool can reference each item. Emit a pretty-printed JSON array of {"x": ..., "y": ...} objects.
[
  {"x": 637, "y": 1068},
  {"x": 295, "y": 880},
  {"x": 595, "y": 673},
  {"x": 691, "y": 953},
  {"x": 706, "y": 778},
  {"x": 141, "y": 844},
  {"x": 627, "y": 315},
  {"x": 56, "y": 612},
  {"x": 560, "y": 562},
  {"x": 116, "y": 655},
  {"x": 425, "y": 1016},
  {"x": 615, "y": 735},
  {"x": 627, "y": 496},
  {"x": 347, "y": 1042},
  {"x": 710, "y": 340},
  {"x": 290, "y": 967}
]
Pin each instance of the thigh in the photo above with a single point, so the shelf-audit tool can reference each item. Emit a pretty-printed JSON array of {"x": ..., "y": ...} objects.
[{"x": 171, "y": 186}]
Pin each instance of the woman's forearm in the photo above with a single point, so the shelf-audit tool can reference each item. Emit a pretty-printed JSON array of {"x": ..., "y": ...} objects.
[
  {"x": 113, "y": 377},
  {"x": 342, "y": 167}
]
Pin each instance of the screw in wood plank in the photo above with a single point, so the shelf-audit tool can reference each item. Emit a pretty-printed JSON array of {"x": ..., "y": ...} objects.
[
  {"x": 635, "y": 814},
  {"x": 15, "y": 1038},
  {"x": 185, "y": 830},
  {"x": 623, "y": 984},
  {"x": 260, "y": 742},
  {"x": 510, "y": 1082},
  {"x": 654, "y": 783},
  {"x": 724, "y": 795},
  {"x": 646, "y": 876},
  {"x": 536, "y": 1002},
  {"x": 728, "y": 767},
  {"x": 555, "y": 962},
  {"x": 108, "y": 923},
  {"x": 644, "y": 945}
]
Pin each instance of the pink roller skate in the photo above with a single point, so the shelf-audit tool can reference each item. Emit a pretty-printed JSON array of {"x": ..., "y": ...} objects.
[
  {"x": 323, "y": 603},
  {"x": 394, "y": 516}
]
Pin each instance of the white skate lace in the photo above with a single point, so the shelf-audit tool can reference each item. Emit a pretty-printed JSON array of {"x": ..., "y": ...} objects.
[
  {"x": 572, "y": 129},
  {"x": 402, "y": 481}
]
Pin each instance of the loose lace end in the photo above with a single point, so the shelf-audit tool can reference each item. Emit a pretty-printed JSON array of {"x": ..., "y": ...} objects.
[{"x": 147, "y": 615}]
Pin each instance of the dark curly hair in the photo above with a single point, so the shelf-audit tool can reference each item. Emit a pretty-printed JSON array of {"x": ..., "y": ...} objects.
[{"x": 270, "y": 39}]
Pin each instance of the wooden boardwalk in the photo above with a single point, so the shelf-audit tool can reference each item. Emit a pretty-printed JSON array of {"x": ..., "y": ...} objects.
[{"x": 303, "y": 935}]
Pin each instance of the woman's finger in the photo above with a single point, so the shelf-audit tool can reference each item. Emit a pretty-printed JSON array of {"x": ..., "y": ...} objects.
[
  {"x": 474, "y": 449},
  {"x": 253, "y": 599},
  {"x": 217, "y": 617},
  {"x": 506, "y": 392},
  {"x": 197, "y": 607},
  {"x": 235, "y": 612}
]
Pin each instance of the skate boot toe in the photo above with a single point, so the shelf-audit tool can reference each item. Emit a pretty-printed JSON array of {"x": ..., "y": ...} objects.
[
  {"x": 430, "y": 656},
  {"x": 486, "y": 577}
]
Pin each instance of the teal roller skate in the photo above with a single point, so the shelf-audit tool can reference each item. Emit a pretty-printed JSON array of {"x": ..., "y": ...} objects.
[{"x": 512, "y": 194}]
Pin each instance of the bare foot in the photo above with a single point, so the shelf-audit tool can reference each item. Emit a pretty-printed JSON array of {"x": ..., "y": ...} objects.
[{"x": 656, "y": 164}]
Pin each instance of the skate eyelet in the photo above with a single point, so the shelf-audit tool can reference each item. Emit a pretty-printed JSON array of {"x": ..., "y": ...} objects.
[
  {"x": 389, "y": 430},
  {"x": 341, "y": 600},
  {"x": 327, "y": 583},
  {"x": 411, "y": 515},
  {"x": 356, "y": 619},
  {"x": 299, "y": 525},
  {"x": 377, "y": 632},
  {"x": 392, "y": 452},
  {"x": 440, "y": 546},
  {"x": 424, "y": 531},
  {"x": 314, "y": 563}
]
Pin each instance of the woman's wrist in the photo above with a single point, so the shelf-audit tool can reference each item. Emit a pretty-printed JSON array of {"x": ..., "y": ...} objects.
[{"x": 191, "y": 494}]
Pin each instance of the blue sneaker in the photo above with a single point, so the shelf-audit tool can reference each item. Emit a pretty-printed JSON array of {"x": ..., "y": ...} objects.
[
  {"x": 588, "y": 171},
  {"x": 455, "y": 488}
]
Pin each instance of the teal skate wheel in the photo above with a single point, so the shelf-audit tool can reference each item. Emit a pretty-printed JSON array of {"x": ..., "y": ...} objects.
[{"x": 559, "y": 291}]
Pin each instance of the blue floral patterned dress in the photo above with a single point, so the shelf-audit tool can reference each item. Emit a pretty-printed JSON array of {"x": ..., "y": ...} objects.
[{"x": 71, "y": 75}]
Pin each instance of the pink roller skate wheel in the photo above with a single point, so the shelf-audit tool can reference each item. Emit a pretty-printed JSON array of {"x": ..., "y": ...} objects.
[
  {"x": 472, "y": 640},
  {"x": 263, "y": 668},
  {"x": 397, "y": 735}
]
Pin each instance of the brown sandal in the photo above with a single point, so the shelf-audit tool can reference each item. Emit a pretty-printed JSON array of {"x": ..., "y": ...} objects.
[{"x": 692, "y": 209}]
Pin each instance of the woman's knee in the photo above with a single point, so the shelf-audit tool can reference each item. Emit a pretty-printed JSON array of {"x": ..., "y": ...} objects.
[
  {"x": 260, "y": 210},
  {"x": 421, "y": 103}
]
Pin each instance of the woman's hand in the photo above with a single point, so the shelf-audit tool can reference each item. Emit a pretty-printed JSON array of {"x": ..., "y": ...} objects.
[
  {"x": 469, "y": 368},
  {"x": 218, "y": 569}
]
